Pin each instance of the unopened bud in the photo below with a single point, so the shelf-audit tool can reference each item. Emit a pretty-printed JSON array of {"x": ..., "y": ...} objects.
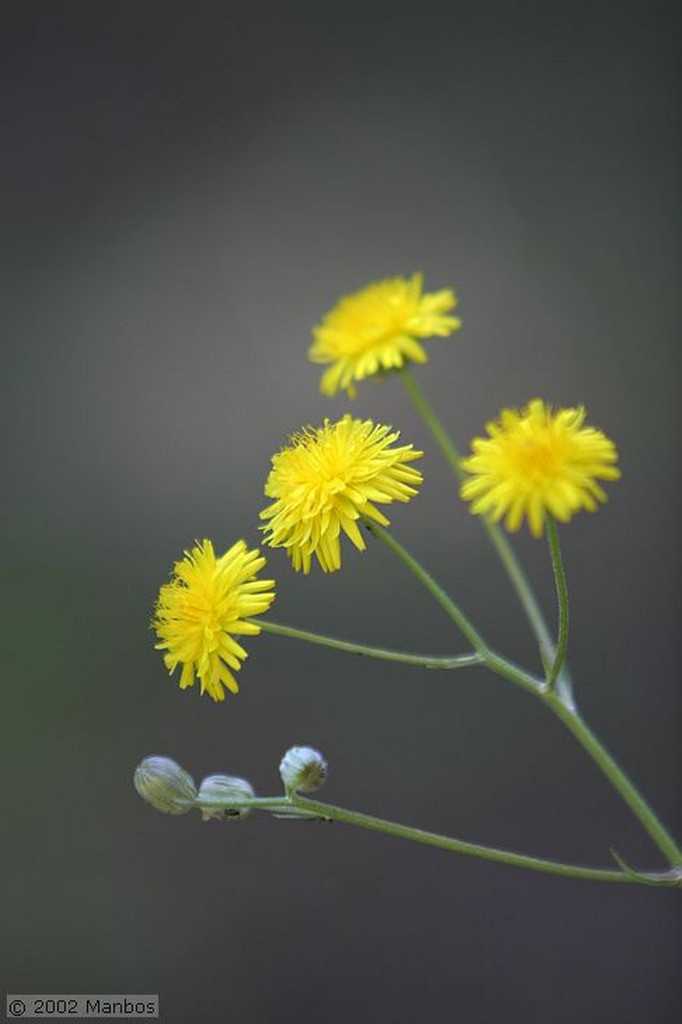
[
  {"x": 216, "y": 793},
  {"x": 303, "y": 770},
  {"x": 165, "y": 785}
]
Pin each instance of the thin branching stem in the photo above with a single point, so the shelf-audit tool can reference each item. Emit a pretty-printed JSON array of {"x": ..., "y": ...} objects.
[
  {"x": 554, "y": 701},
  {"x": 423, "y": 660},
  {"x": 295, "y": 805},
  {"x": 561, "y": 647},
  {"x": 504, "y": 550}
]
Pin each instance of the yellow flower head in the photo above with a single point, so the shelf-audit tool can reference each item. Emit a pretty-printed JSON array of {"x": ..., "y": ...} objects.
[
  {"x": 536, "y": 461},
  {"x": 201, "y": 610},
  {"x": 326, "y": 479},
  {"x": 376, "y": 330}
]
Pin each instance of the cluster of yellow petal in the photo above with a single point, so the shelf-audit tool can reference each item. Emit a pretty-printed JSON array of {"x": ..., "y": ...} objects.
[
  {"x": 536, "y": 461},
  {"x": 326, "y": 479},
  {"x": 376, "y": 330},
  {"x": 202, "y": 609},
  {"x": 533, "y": 463}
]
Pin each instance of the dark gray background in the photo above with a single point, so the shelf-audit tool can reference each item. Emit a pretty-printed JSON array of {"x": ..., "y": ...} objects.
[{"x": 189, "y": 188}]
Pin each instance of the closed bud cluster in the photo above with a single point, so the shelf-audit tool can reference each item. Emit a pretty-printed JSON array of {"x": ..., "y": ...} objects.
[
  {"x": 217, "y": 791},
  {"x": 303, "y": 770},
  {"x": 165, "y": 785}
]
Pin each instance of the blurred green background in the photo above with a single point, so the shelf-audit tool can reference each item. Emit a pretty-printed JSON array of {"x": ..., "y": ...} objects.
[{"x": 189, "y": 188}]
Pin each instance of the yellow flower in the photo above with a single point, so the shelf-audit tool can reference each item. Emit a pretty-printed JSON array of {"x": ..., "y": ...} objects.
[
  {"x": 201, "y": 610},
  {"x": 376, "y": 330},
  {"x": 536, "y": 461},
  {"x": 326, "y": 479}
]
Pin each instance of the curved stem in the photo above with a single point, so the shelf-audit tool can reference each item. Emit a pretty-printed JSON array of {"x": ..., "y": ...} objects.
[
  {"x": 423, "y": 660},
  {"x": 562, "y": 597},
  {"x": 518, "y": 860},
  {"x": 297, "y": 806},
  {"x": 512, "y": 566}
]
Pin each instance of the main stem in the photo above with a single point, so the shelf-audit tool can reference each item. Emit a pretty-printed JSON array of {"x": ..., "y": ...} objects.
[
  {"x": 555, "y": 701},
  {"x": 618, "y": 779},
  {"x": 512, "y": 566}
]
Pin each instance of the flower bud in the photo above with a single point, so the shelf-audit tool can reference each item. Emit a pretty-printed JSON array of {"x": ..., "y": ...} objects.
[
  {"x": 165, "y": 785},
  {"x": 216, "y": 792},
  {"x": 303, "y": 769}
]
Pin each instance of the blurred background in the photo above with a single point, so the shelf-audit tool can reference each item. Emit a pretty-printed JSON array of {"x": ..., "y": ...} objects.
[{"x": 189, "y": 187}]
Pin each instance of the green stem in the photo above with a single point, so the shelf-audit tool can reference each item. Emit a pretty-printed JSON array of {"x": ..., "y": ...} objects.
[
  {"x": 618, "y": 779},
  {"x": 423, "y": 660},
  {"x": 427, "y": 413},
  {"x": 513, "y": 568},
  {"x": 562, "y": 597},
  {"x": 296, "y": 805},
  {"x": 555, "y": 701},
  {"x": 255, "y": 803},
  {"x": 486, "y": 654},
  {"x": 443, "y": 599}
]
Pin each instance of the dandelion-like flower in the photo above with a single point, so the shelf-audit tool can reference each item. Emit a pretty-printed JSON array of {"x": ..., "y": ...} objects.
[
  {"x": 536, "y": 461},
  {"x": 326, "y": 479},
  {"x": 376, "y": 330},
  {"x": 201, "y": 610}
]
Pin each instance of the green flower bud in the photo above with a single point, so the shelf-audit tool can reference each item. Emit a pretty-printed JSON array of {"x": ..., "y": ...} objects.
[
  {"x": 216, "y": 792},
  {"x": 303, "y": 770},
  {"x": 165, "y": 785}
]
